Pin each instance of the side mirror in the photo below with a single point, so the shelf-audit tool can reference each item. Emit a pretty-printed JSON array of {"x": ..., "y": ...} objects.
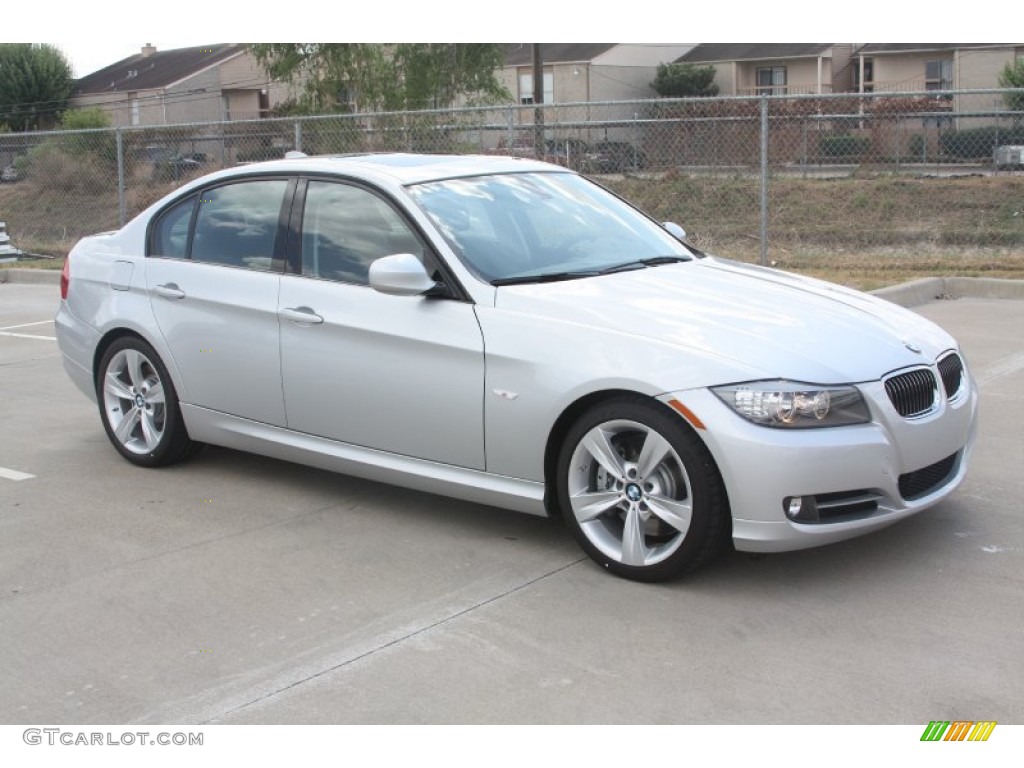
[
  {"x": 675, "y": 230},
  {"x": 400, "y": 275}
]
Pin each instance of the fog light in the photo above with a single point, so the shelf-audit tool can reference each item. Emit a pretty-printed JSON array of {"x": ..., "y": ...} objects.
[{"x": 801, "y": 509}]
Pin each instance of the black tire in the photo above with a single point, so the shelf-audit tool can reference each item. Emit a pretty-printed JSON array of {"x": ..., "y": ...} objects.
[
  {"x": 139, "y": 406},
  {"x": 646, "y": 518}
]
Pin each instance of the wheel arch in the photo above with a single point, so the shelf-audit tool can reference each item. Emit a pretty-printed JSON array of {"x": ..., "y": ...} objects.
[
  {"x": 568, "y": 417},
  {"x": 120, "y": 332}
]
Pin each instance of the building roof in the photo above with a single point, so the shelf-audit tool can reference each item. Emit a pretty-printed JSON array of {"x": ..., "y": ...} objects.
[
  {"x": 708, "y": 52},
  {"x": 519, "y": 54},
  {"x": 157, "y": 70},
  {"x": 911, "y": 47}
]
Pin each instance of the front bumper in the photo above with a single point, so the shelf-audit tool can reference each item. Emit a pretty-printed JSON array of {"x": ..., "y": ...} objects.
[{"x": 861, "y": 464}]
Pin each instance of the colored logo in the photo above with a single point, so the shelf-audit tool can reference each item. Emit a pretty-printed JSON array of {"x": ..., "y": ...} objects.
[{"x": 958, "y": 730}]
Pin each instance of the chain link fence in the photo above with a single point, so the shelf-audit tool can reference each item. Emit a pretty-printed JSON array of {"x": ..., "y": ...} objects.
[{"x": 762, "y": 178}]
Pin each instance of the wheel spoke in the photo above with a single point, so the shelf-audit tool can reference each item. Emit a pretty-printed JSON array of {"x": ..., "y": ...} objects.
[
  {"x": 590, "y": 504},
  {"x": 114, "y": 386},
  {"x": 126, "y": 426},
  {"x": 597, "y": 445},
  {"x": 652, "y": 454},
  {"x": 150, "y": 433},
  {"x": 675, "y": 513},
  {"x": 134, "y": 361},
  {"x": 155, "y": 394},
  {"x": 634, "y": 552}
]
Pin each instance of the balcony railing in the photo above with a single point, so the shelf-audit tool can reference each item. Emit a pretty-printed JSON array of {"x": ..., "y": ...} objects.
[
  {"x": 785, "y": 90},
  {"x": 875, "y": 86}
]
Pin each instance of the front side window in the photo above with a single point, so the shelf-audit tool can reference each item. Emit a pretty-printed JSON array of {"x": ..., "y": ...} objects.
[
  {"x": 346, "y": 228},
  {"x": 237, "y": 224}
]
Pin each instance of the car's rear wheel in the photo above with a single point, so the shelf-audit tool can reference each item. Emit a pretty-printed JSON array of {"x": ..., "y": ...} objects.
[
  {"x": 139, "y": 406},
  {"x": 640, "y": 491}
]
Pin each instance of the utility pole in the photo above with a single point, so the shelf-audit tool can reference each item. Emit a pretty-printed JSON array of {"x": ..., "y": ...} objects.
[{"x": 538, "y": 100}]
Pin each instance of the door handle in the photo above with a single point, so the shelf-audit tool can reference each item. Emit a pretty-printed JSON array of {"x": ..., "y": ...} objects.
[
  {"x": 170, "y": 291},
  {"x": 301, "y": 315}
]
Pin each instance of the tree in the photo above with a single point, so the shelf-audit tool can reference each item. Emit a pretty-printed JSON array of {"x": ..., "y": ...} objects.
[
  {"x": 1012, "y": 76},
  {"x": 674, "y": 80},
  {"x": 35, "y": 83},
  {"x": 382, "y": 77}
]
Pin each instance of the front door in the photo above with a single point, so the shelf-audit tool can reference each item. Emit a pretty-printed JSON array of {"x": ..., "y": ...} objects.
[{"x": 397, "y": 374}]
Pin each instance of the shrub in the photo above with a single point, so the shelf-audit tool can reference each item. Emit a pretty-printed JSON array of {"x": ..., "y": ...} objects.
[
  {"x": 918, "y": 146},
  {"x": 1012, "y": 76},
  {"x": 979, "y": 143},
  {"x": 844, "y": 145},
  {"x": 50, "y": 165}
]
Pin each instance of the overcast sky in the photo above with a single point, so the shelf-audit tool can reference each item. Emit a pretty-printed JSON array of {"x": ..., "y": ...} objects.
[{"x": 86, "y": 57}]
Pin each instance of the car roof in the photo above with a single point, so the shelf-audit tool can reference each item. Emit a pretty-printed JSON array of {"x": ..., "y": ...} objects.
[{"x": 404, "y": 168}]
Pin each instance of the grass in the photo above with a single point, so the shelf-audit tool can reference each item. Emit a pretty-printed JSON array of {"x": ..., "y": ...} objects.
[{"x": 861, "y": 232}]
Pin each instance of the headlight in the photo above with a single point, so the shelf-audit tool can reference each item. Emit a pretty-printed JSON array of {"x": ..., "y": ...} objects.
[{"x": 795, "y": 405}]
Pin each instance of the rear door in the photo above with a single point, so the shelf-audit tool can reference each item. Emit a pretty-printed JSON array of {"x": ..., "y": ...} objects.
[{"x": 214, "y": 274}]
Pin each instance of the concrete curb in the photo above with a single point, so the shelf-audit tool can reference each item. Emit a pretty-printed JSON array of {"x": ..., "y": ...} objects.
[
  {"x": 912, "y": 294},
  {"x": 38, "y": 276},
  {"x": 918, "y": 292}
]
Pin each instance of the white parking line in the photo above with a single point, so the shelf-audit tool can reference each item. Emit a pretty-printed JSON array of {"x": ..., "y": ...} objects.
[
  {"x": 1003, "y": 367},
  {"x": 6, "y": 331},
  {"x": 25, "y": 325},
  {"x": 27, "y": 336},
  {"x": 13, "y": 474}
]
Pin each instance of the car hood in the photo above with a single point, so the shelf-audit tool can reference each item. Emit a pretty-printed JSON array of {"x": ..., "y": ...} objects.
[{"x": 770, "y": 323}]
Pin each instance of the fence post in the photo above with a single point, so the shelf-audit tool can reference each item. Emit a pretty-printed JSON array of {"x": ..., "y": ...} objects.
[
  {"x": 803, "y": 146},
  {"x": 764, "y": 179},
  {"x": 511, "y": 131},
  {"x": 898, "y": 138},
  {"x": 636, "y": 140},
  {"x": 298, "y": 136},
  {"x": 122, "y": 203}
]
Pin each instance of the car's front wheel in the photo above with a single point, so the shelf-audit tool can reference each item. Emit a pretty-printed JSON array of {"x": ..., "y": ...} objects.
[
  {"x": 640, "y": 491},
  {"x": 139, "y": 406}
]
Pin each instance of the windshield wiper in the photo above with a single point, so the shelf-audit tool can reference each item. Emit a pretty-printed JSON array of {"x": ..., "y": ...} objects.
[
  {"x": 549, "y": 277},
  {"x": 653, "y": 261}
]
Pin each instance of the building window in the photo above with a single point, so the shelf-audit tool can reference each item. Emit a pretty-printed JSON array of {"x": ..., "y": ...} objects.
[
  {"x": 868, "y": 86},
  {"x": 771, "y": 81},
  {"x": 938, "y": 75},
  {"x": 526, "y": 87}
]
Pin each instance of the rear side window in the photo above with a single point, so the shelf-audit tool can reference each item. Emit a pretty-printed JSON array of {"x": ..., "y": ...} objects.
[
  {"x": 237, "y": 224},
  {"x": 170, "y": 233}
]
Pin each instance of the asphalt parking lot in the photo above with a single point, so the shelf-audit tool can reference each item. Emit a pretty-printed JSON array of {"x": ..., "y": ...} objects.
[{"x": 238, "y": 589}]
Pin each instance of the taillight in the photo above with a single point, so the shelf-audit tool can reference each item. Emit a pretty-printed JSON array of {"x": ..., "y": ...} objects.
[{"x": 65, "y": 278}]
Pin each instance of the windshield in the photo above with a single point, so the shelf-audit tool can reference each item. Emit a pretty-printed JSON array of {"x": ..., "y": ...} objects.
[{"x": 516, "y": 227}]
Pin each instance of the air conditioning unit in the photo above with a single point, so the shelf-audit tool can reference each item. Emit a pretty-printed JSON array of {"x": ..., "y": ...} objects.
[{"x": 1009, "y": 156}]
